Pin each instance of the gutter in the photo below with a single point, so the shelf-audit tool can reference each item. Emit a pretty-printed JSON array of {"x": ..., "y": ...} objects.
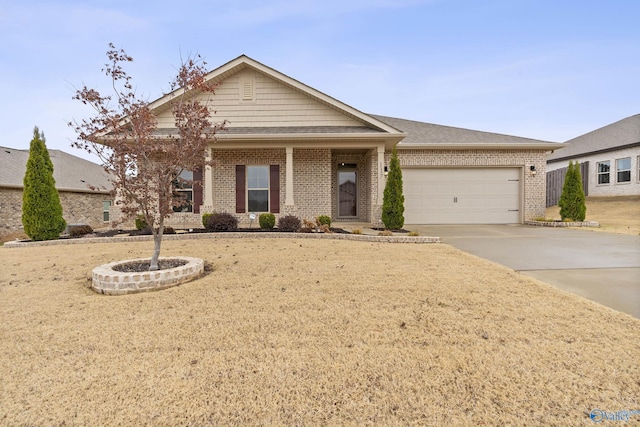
[{"x": 547, "y": 146}]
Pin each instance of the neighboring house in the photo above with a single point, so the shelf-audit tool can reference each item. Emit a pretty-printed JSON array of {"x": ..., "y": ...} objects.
[
  {"x": 74, "y": 177},
  {"x": 290, "y": 149},
  {"x": 609, "y": 158}
]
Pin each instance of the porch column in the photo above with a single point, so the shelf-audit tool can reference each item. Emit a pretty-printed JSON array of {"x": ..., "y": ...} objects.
[
  {"x": 288, "y": 188},
  {"x": 381, "y": 180},
  {"x": 207, "y": 186}
]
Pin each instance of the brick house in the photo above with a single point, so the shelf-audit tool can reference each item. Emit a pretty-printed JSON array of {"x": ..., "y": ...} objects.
[
  {"x": 291, "y": 149},
  {"x": 74, "y": 178},
  {"x": 609, "y": 158}
]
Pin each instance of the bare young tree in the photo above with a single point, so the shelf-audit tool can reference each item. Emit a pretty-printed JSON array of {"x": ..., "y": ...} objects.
[{"x": 143, "y": 160}]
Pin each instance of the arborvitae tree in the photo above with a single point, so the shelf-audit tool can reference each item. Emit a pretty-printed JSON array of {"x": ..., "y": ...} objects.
[
  {"x": 41, "y": 209},
  {"x": 572, "y": 201},
  {"x": 393, "y": 202}
]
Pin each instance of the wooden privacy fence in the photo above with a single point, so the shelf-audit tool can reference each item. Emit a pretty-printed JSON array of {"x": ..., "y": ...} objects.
[{"x": 555, "y": 181}]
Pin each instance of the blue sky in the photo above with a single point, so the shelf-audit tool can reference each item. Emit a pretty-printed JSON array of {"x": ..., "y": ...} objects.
[{"x": 545, "y": 69}]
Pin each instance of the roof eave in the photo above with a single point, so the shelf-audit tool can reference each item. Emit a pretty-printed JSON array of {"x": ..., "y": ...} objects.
[
  {"x": 593, "y": 152},
  {"x": 304, "y": 140},
  {"x": 547, "y": 146}
]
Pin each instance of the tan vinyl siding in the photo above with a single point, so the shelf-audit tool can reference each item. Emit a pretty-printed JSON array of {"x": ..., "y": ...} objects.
[{"x": 273, "y": 105}]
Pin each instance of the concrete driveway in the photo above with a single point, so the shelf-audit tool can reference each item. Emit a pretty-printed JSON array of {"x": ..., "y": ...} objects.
[{"x": 602, "y": 267}]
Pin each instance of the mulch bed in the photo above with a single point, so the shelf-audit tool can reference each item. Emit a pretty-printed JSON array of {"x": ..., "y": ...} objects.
[{"x": 142, "y": 266}]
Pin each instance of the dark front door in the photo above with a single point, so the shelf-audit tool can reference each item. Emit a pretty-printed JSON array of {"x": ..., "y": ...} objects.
[{"x": 347, "y": 194}]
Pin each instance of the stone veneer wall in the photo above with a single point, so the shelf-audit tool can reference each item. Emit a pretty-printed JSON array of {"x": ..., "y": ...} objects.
[
  {"x": 534, "y": 187},
  {"x": 311, "y": 172},
  {"x": 77, "y": 208}
]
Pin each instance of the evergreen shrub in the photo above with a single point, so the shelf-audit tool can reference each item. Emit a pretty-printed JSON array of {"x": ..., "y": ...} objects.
[
  {"x": 572, "y": 200},
  {"x": 267, "y": 221},
  {"x": 393, "y": 201},
  {"x": 324, "y": 220},
  {"x": 41, "y": 208},
  {"x": 205, "y": 219},
  {"x": 141, "y": 223}
]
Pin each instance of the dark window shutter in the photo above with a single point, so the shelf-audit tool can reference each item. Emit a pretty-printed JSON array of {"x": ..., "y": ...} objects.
[
  {"x": 197, "y": 190},
  {"x": 274, "y": 188},
  {"x": 240, "y": 188}
]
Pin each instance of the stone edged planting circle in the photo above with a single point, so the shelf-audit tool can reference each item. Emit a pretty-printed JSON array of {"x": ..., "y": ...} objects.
[{"x": 106, "y": 280}]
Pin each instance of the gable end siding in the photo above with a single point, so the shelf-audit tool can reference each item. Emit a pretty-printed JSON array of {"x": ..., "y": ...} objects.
[{"x": 274, "y": 105}]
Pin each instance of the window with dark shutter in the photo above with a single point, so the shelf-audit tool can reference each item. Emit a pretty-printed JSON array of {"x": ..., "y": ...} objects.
[
  {"x": 240, "y": 189},
  {"x": 274, "y": 188}
]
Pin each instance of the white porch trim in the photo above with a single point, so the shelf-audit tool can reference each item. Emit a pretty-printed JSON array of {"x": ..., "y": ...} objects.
[{"x": 288, "y": 188}]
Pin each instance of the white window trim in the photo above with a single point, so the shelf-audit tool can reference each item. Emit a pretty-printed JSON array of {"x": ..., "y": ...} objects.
[
  {"x": 598, "y": 173},
  {"x": 107, "y": 211},
  {"x": 623, "y": 170},
  {"x": 267, "y": 188}
]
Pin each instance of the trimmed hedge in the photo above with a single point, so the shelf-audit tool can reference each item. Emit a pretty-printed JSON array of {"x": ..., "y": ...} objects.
[{"x": 267, "y": 221}]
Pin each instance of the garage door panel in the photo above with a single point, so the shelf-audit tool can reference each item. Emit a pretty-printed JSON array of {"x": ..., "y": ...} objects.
[{"x": 462, "y": 196}]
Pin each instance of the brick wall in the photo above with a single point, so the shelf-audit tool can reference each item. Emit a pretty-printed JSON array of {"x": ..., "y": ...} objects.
[
  {"x": 77, "y": 208},
  {"x": 534, "y": 186}
]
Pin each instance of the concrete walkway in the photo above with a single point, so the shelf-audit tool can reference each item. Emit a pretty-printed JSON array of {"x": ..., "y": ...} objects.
[{"x": 602, "y": 267}]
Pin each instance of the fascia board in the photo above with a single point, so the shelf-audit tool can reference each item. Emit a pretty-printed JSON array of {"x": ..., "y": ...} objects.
[
  {"x": 550, "y": 146},
  {"x": 305, "y": 141}
]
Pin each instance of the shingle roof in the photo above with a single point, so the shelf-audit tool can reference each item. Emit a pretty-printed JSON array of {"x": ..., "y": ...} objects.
[
  {"x": 618, "y": 135},
  {"x": 420, "y": 133},
  {"x": 70, "y": 172}
]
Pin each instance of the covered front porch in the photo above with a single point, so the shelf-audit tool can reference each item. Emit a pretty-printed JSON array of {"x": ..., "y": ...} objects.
[{"x": 302, "y": 180}]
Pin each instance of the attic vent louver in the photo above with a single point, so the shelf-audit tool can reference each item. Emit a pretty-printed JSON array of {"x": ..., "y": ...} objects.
[{"x": 247, "y": 91}]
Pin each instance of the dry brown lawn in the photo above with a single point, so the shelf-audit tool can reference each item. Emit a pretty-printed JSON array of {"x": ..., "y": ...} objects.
[
  {"x": 619, "y": 214},
  {"x": 305, "y": 332}
]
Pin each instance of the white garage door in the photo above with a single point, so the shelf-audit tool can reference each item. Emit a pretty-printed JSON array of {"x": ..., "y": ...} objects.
[{"x": 462, "y": 196}]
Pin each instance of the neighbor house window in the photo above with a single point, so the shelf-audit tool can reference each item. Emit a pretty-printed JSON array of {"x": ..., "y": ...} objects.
[
  {"x": 623, "y": 169},
  {"x": 603, "y": 172},
  {"x": 258, "y": 188},
  {"x": 106, "y": 206},
  {"x": 184, "y": 190}
]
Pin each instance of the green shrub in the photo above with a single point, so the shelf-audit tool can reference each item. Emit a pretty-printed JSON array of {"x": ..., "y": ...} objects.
[
  {"x": 324, "y": 220},
  {"x": 41, "y": 209},
  {"x": 393, "y": 201},
  {"x": 80, "y": 230},
  {"x": 267, "y": 221},
  {"x": 205, "y": 219},
  {"x": 572, "y": 201},
  {"x": 414, "y": 233},
  {"x": 141, "y": 222},
  {"x": 222, "y": 222},
  {"x": 289, "y": 223}
]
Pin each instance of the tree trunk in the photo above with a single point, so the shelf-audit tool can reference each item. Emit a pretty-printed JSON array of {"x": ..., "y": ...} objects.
[{"x": 157, "y": 240}]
